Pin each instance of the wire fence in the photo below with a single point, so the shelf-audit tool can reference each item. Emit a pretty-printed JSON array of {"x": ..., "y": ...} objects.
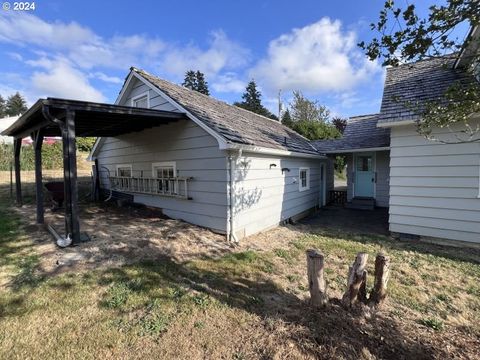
[{"x": 7, "y": 183}]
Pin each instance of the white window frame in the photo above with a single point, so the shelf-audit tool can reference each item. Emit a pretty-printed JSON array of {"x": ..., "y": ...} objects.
[
  {"x": 164, "y": 164},
  {"x": 300, "y": 187},
  {"x": 138, "y": 97},
  {"x": 124, "y": 166}
]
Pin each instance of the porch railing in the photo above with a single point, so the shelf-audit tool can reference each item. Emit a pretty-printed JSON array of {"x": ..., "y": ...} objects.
[
  {"x": 337, "y": 197},
  {"x": 176, "y": 187}
]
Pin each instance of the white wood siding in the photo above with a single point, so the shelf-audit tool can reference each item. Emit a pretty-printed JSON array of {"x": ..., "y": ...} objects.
[
  {"x": 195, "y": 152},
  {"x": 264, "y": 196},
  {"x": 434, "y": 187},
  {"x": 382, "y": 159}
]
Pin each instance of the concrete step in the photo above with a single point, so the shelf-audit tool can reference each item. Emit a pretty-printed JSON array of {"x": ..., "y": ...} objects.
[{"x": 361, "y": 204}]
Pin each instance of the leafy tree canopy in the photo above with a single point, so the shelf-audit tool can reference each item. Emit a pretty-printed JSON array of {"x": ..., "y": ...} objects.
[
  {"x": 404, "y": 36},
  {"x": 309, "y": 118},
  {"x": 339, "y": 123},
  {"x": 304, "y": 109}
]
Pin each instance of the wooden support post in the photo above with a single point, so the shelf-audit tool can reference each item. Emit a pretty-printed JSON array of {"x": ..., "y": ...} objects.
[
  {"x": 37, "y": 143},
  {"x": 382, "y": 274},
  {"x": 357, "y": 279},
  {"x": 72, "y": 224},
  {"x": 17, "y": 145},
  {"x": 316, "y": 280}
]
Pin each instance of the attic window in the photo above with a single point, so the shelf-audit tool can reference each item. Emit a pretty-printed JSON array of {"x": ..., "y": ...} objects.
[{"x": 141, "y": 101}]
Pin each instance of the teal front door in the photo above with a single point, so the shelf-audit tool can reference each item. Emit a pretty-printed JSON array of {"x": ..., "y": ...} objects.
[{"x": 364, "y": 175}]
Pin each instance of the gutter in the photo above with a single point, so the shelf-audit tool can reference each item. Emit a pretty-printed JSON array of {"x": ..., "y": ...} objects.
[
  {"x": 389, "y": 124},
  {"x": 231, "y": 196},
  {"x": 269, "y": 151}
]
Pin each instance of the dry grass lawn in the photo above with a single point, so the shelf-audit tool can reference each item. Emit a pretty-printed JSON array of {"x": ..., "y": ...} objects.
[{"x": 153, "y": 288}]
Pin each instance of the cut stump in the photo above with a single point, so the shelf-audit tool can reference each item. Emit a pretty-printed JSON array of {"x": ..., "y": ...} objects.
[
  {"x": 382, "y": 274},
  {"x": 316, "y": 280},
  {"x": 357, "y": 281}
]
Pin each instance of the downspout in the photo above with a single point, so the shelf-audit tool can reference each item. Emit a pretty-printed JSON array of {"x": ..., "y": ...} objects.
[{"x": 231, "y": 164}]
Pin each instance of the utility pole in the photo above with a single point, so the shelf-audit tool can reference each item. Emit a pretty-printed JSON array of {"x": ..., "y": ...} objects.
[{"x": 280, "y": 105}]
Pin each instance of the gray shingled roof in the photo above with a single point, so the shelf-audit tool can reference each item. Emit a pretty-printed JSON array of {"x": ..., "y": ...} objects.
[
  {"x": 361, "y": 133},
  {"x": 234, "y": 124},
  {"x": 420, "y": 82}
]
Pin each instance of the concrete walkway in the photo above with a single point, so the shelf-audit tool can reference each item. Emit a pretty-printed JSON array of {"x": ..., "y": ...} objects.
[{"x": 351, "y": 220}]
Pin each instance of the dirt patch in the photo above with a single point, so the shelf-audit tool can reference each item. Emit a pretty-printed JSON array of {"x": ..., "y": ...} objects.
[{"x": 121, "y": 236}]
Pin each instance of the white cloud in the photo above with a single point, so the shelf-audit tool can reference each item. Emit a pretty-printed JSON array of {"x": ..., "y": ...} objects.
[
  {"x": 64, "y": 81},
  {"x": 228, "y": 82},
  {"x": 318, "y": 57},
  {"x": 104, "y": 77},
  {"x": 222, "y": 54}
]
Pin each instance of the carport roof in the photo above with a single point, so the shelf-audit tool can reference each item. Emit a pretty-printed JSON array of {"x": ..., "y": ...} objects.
[{"x": 91, "y": 119}]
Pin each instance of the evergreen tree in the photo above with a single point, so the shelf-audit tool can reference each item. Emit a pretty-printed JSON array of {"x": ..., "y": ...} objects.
[
  {"x": 3, "y": 107},
  {"x": 196, "y": 81},
  {"x": 202, "y": 85},
  {"x": 190, "y": 81},
  {"x": 16, "y": 105},
  {"x": 252, "y": 101},
  {"x": 287, "y": 118}
]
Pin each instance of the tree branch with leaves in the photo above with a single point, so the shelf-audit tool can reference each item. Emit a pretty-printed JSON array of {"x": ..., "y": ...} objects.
[{"x": 404, "y": 36}]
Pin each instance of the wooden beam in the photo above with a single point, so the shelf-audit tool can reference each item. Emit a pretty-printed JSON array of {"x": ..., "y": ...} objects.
[
  {"x": 17, "y": 145},
  {"x": 37, "y": 137},
  {"x": 72, "y": 224}
]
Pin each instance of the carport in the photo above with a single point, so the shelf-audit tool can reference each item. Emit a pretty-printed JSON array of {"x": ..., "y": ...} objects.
[{"x": 70, "y": 119}]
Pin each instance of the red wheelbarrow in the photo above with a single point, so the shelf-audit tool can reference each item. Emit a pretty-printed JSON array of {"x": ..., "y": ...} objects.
[{"x": 56, "y": 190}]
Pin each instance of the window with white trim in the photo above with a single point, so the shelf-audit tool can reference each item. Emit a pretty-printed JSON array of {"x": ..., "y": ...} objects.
[
  {"x": 141, "y": 101},
  {"x": 124, "y": 170},
  {"x": 166, "y": 171},
  {"x": 304, "y": 179}
]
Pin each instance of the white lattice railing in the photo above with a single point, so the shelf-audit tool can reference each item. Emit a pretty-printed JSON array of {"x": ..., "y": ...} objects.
[{"x": 174, "y": 187}]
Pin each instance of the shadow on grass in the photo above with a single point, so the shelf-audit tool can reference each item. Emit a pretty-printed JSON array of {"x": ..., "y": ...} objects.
[
  {"x": 323, "y": 333},
  {"x": 371, "y": 227}
]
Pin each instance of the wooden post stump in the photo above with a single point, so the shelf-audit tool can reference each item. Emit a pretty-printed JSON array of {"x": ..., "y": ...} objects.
[
  {"x": 357, "y": 280},
  {"x": 316, "y": 280},
  {"x": 382, "y": 274}
]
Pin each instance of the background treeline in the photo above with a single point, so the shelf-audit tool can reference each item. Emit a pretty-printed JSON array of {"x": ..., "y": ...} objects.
[{"x": 52, "y": 154}]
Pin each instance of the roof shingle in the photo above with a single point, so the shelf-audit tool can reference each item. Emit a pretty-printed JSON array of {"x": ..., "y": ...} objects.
[
  {"x": 234, "y": 124},
  {"x": 418, "y": 83},
  {"x": 361, "y": 133}
]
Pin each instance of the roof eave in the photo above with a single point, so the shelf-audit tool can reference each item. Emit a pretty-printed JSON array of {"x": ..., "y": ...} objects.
[
  {"x": 393, "y": 123},
  {"x": 346, "y": 151}
]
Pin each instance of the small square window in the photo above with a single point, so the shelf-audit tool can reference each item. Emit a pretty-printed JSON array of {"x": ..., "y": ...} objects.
[
  {"x": 140, "y": 101},
  {"x": 124, "y": 170},
  {"x": 304, "y": 175},
  {"x": 166, "y": 171}
]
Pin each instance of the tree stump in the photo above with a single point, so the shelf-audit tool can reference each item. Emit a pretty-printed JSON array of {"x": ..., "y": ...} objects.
[
  {"x": 316, "y": 280},
  {"x": 382, "y": 274},
  {"x": 357, "y": 281}
]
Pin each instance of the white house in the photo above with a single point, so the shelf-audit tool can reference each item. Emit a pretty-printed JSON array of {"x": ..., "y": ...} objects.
[
  {"x": 5, "y": 123},
  {"x": 431, "y": 187},
  {"x": 224, "y": 168}
]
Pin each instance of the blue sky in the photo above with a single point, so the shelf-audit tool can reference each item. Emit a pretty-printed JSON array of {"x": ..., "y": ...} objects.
[{"x": 83, "y": 49}]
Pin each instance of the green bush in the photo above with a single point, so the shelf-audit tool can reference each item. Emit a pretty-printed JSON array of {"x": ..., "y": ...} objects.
[
  {"x": 86, "y": 143},
  {"x": 316, "y": 130},
  {"x": 52, "y": 156}
]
